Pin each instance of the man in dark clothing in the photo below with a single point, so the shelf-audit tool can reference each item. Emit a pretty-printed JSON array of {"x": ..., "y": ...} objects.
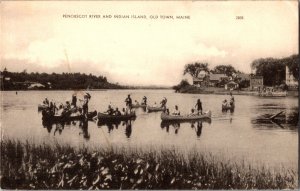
[
  {"x": 144, "y": 100},
  {"x": 199, "y": 106},
  {"x": 74, "y": 100},
  {"x": 85, "y": 106},
  {"x": 128, "y": 101},
  {"x": 110, "y": 110}
]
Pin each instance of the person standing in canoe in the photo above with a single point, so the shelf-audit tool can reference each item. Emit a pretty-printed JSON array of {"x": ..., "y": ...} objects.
[
  {"x": 128, "y": 101},
  {"x": 144, "y": 102},
  {"x": 74, "y": 100},
  {"x": 46, "y": 102},
  {"x": 85, "y": 106},
  {"x": 198, "y": 106},
  {"x": 163, "y": 102},
  {"x": 231, "y": 99}
]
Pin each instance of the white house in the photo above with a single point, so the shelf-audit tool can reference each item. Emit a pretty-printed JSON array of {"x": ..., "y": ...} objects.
[{"x": 35, "y": 85}]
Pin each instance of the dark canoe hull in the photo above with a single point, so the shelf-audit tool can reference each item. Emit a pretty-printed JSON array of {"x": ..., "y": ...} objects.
[
  {"x": 106, "y": 117},
  {"x": 155, "y": 109},
  {"x": 67, "y": 117},
  {"x": 182, "y": 118}
]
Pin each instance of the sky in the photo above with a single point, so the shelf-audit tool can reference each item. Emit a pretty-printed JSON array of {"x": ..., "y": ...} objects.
[{"x": 37, "y": 37}]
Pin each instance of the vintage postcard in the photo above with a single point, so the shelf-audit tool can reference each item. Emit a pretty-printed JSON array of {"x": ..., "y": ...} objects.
[{"x": 149, "y": 95}]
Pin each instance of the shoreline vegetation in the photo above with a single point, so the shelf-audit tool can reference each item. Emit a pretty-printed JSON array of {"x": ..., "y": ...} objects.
[
  {"x": 186, "y": 88},
  {"x": 15, "y": 81},
  {"x": 25, "y": 165}
]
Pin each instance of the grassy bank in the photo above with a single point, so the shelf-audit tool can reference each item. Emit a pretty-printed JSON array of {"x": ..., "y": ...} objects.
[{"x": 29, "y": 166}]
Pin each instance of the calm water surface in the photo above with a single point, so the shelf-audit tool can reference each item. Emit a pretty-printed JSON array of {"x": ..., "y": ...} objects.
[{"x": 237, "y": 135}]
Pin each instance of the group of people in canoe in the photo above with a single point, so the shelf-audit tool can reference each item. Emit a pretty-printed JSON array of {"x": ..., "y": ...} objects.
[
  {"x": 67, "y": 108},
  {"x": 197, "y": 110},
  {"x": 125, "y": 110},
  {"x": 73, "y": 108},
  {"x": 228, "y": 104}
]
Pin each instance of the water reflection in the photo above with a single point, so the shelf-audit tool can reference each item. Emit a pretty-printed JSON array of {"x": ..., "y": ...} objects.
[
  {"x": 84, "y": 127},
  {"x": 114, "y": 125},
  {"x": 59, "y": 127},
  {"x": 196, "y": 125}
]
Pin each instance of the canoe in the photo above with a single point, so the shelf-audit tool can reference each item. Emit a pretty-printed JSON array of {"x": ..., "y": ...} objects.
[
  {"x": 104, "y": 116},
  {"x": 67, "y": 117},
  {"x": 165, "y": 117},
  {"x": 154, "y": 109},
  {"x": 138, "y": 106},
  {"x": 42, "y": 107},
  {"x": 273, "y": 94}
]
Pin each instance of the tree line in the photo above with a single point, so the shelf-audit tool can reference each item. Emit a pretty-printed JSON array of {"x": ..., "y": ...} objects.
[
  {"x": 64, "y": 81},
  {"x": 272, "y": 70}
]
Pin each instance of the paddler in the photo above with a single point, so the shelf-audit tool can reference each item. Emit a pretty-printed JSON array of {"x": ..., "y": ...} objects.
[
  {"x": 144, "y": 102},
  {"x": 128, "y": 101},
  {"x": 85, "y": 106},
  {"x": 163, "y": 102},
  {"x": 198, "y": 106},
  {"x": 74, "y": 100},
  {"x": 231, "y": 99}
]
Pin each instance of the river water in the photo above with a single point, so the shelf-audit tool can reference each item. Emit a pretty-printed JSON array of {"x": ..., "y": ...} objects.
[{"x": 233, "y": 136}]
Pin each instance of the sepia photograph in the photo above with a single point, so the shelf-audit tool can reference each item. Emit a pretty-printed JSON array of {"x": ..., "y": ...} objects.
[{"x": 160, "y": 95}]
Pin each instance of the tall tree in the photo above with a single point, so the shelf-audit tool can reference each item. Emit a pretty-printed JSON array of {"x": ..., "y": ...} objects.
[
  {"x": 224, "y": 69},
  {"x": 272, "y": 70},
  {"x": 195, "y": 68},
  {"x": 293, "y": 64}
]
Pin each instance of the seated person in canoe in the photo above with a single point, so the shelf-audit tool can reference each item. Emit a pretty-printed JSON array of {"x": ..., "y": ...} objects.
[
  {"x": 193, "y": 113},
  {"x": 110, "y": 110},
  {"x": 46, "y": 102},
  {"x": 225, "y": 103},
  {"x": 176, "y": 111},
  {"x": 136, "y": 102},
  {"x": 117, "y": 112}
]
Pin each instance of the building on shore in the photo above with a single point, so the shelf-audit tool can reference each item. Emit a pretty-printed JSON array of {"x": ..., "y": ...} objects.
[
  {"x": 36, "y": 85},
  {"x": 290, "y": 80},
  {"x": 215, "y": 79},
  {"x": 231, "y": 85},
  {"x": 201, "y": 79},
  {"x": 256, "y": 83}
]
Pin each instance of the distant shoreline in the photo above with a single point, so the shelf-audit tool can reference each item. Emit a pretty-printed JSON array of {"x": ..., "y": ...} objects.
[
  {"x": 222, "y": 91},
  {"x": 145, "y": 88},
  {"x": 291, "y": 93}
]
